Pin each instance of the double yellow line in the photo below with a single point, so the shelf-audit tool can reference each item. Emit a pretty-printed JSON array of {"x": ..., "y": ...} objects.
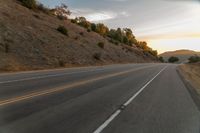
[{"x": 57, "y": 89}]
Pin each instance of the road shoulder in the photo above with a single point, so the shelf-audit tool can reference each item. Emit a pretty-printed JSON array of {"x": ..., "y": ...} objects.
[{"x": 192, "y": 88}]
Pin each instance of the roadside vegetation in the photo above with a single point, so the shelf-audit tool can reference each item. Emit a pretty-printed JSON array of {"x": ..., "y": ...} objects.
[
  {"x": 101, "y": 45},
  {"x": 62, "y": 30},
  {"x": 117, "y": 36},
  {"x": 173, "y": 59},
  {"x": 31, "y": 4},
  {"x": 194, "y": 59},
  {"x": 61, "y": 11},
  {"x": 161, "y": 59}
]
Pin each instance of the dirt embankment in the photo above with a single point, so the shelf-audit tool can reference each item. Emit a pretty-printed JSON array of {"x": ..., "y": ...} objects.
[
  {"x": 191, "y": 73},
  {"x": 29, "y": 40}
]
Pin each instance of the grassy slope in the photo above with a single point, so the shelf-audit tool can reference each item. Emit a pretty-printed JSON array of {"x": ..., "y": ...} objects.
[{"x": 34, "y": 43}]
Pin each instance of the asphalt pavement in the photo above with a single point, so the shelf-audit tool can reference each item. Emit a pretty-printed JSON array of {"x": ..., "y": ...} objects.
[{"x": 129, "y": 98}]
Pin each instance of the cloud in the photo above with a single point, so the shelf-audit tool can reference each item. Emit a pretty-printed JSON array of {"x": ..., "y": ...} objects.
[
  {"x": 118, "y": 0},
  {"x": 101, "y": 16},
  {"x": 95, "y": 16},
  {"x": 125, "y": 14}
]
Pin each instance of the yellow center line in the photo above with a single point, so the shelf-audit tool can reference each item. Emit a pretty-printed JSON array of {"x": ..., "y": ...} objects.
[{"x": 57, "y": 89}]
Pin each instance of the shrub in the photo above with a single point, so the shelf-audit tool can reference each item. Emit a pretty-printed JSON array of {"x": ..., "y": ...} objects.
[
  {"x": 76, "y": 38},
  {"x": 173, "y": 59},
  {"x": 194, "y": 59},
  {"x": 116, "y": 43},
  {"x": 161, "y": 59},
  {"x": 153, "y": 52},
  {"x": 97, "y": 56},
  {"x": 73, "y": 21},
  {"x": 100, "y": 44},
  {"x": 61, "y": 63},
  {"x": 88, "y": 30},
  {"x": 93, "y": 27},
  {"x": 7, "y": 48},
  {"x": 81, "y": 33},
  {"x": 62, "y": 30},
  {"x": 36, "y": 16},
  {"x": 31, "y": 4},
  {"x": 44, "y": 9}
]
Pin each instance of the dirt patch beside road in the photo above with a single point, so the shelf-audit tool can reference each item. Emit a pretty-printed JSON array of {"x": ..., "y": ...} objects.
[{"x": 191, "y": 72}]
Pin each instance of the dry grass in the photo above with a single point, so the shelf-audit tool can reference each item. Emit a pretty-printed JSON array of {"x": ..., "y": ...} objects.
[
  {"x": 192, "y": 73},
  {"x": 34, "y": 42}
]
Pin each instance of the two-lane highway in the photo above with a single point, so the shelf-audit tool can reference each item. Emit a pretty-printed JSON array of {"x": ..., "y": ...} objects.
[{"x": 139, "y": 98}]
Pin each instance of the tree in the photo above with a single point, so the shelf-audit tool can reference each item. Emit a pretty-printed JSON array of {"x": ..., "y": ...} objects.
[
  {"x": 62, "y": 11},
  {"x": 173, "y": 59},
  {"x": 161, "y": 59},
  {"x": 125, "y": 40},
  {"x": 144, "y": 46},
  {"x": 153, "y": 52},
  {"x": 194, "y": 59},
  {"x": 31, "y": 4},
  {"x": 119, "y": 35},
  {"x": 93, "y": 27},
  {"x": 102, "y": 29},
  {"x": 129, "y": 33},
  {"x": 83, "y": 22}
]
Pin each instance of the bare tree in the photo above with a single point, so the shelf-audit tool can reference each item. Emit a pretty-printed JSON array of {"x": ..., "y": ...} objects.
[{"x": 62, "y": 11}]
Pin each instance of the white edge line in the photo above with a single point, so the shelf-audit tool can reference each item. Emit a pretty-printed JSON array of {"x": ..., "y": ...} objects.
[
  {"x": 104, "y": 125},
  {"x": 116, "y": 113}
]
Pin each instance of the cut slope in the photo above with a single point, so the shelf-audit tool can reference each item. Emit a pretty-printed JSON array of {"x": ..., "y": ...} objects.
[{"x": 29, "y": 40}]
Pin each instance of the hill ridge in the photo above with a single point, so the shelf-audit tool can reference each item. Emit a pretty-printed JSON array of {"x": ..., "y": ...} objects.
[
  {"x": 182, "y": 54},
  {"x": 30, "y": 40}
]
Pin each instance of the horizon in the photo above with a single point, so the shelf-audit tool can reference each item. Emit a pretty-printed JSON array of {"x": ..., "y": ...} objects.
[{"x": 164, "y": 24}]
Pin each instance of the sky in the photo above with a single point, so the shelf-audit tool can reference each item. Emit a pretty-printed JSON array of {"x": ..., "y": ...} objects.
[{"x": 166, "y": 25}]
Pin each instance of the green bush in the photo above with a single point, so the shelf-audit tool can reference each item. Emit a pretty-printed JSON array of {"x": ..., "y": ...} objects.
[
  {"x": 43, "y": 9},
  {"x": 61, "y": 63},
  {"x": 62, "y": 30},
  {"x": 194, "y": 59},
  {"x": 161, "y": 59},
  {"x": 81, "y": 33},
  {"x": 101, "y": 44},
  {"x": 31, "y": 4},
  {"x": 73, "y": 21},
  {"x": 88, "y": 30},
  {"x": 173, "y": 59},
  {"x": 97, "y": 56}
]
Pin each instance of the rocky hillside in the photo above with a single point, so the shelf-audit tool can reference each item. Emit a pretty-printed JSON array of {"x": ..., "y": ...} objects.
[
  {"x": 183, "y": 55},
  {"x": 29, "y": 40}
]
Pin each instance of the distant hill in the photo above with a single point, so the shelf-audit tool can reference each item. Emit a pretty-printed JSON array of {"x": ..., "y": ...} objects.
[
  {"x": 183, "y": 55},
  {"x": 30, "y": 40}
]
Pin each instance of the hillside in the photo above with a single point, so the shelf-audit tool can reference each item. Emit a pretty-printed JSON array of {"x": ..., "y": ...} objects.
[
  {"x": 183, "y": 55},
  {"x": 29, "y": 40}
]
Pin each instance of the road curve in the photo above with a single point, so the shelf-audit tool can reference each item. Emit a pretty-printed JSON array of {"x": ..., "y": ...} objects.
[{"x": 139, "y": 98}]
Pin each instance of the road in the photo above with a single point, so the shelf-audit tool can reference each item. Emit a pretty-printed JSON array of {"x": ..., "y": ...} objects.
[{"x": 131, "y": 98}]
